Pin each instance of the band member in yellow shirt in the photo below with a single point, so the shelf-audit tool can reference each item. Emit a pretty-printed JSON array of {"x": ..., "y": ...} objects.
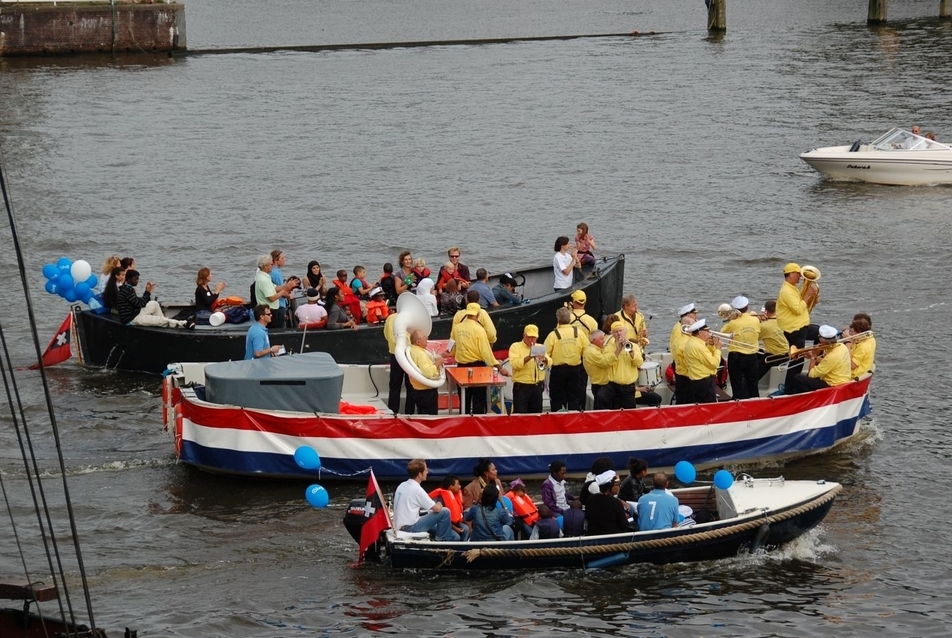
[
  {"x": 831, "y": 368},
  {"x": 425, "y": 398},
  {"x": 471, "y": 348},
  {"x": 793, "y": 314},
  {"x": 565, "y": 346},
  {"x": 597, "y": 364},
  {"x": 528, "y": 373},
  {"x": 634, "y": 321},
  {"x": 775, "y": 344},
  {"x": 626, "y": 358},
  {"x": 863, "y": 349},
  {"x": 702, "y": 356},
  {"x": 742, "y": 350}
]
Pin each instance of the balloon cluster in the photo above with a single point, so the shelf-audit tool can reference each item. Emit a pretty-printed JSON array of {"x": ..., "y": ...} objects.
[
  {"x": 71, "y": 280},
  {"x": 685, "y": 472},
  {"x": 307, "y": 458}
]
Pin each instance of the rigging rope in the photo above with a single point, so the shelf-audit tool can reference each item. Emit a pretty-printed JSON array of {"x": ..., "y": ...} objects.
[{"x": 21, "y": 264}]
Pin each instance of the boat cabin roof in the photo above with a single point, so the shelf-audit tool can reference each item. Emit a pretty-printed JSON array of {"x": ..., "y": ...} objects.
[{"x": 899, "y": 139}]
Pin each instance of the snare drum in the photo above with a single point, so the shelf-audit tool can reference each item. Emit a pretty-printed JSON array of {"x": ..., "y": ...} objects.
[{"x": 649, "y": 374}]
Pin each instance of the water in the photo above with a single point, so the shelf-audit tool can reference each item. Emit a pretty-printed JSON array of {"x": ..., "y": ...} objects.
[{"x": 679, "y": 150}]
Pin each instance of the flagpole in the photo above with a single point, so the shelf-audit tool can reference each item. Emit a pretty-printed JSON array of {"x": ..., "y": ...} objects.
[{"x": 75, "y": 336}]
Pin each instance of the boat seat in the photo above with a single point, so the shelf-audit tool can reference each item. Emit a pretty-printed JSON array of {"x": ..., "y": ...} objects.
[
  {"x": 22, "y": 590},
  {"x": 411, "y": 536},
  {"x": 855, "y": 147}
]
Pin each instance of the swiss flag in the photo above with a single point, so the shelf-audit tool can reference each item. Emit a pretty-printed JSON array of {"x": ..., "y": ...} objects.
[
  {"x": 378, "y": 519},
  {"x": 58, "y": 351}
]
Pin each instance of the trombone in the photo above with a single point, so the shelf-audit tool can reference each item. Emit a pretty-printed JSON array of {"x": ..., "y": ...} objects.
[
  {"x": 811, "y": 275},
  {"x": 727, "y": 339},
  {"x": 799, "y": 353}
]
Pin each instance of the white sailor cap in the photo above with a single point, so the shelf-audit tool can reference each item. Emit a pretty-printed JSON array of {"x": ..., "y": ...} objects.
[
  {"x": 697, "y": 325},
  {"x": 683, "y": 310},
  {"x": 605, "y": 477},
  {"x": 740, "y": 302},
  {"x": 828, "y": 332}
]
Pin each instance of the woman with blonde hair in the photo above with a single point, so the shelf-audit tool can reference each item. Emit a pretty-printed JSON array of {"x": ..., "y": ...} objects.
[
  {"x": 204, "y": 297},
  {"x": 112, "y": 261}
]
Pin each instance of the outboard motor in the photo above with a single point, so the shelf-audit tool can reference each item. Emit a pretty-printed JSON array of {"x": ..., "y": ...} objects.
[{"x": 354, "y": 519}]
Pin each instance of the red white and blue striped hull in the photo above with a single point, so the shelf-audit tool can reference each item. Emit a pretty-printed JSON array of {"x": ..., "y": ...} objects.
[{"x": 246, "y": 441}]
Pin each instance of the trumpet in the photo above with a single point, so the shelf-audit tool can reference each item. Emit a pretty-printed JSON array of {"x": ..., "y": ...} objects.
[
  {"x": 628, "y": 346},
  {"x": 811, "y": 275},
  {"x": 540, "y": 362}
]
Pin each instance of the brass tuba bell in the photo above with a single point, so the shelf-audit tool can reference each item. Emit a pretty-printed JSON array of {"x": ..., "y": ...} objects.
[{"x": 811, "y": 275}]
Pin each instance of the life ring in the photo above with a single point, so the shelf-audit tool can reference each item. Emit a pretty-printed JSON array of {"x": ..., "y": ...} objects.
[{"x": 313, "y": 325}]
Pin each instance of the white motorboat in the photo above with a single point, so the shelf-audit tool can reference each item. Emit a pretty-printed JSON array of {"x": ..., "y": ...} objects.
[{"x": 898, "y": 158}]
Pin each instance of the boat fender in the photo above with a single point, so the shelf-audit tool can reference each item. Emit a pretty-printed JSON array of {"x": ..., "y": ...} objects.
[
  {"x": 607, "y": 561},
  {"x": 760, "y": 537},
  {"x": 166, "y": 385},
  {"x": 312, "y": 325}
]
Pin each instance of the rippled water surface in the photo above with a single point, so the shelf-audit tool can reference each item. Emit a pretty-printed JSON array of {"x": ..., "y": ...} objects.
[{"x": 678, "y": 149}]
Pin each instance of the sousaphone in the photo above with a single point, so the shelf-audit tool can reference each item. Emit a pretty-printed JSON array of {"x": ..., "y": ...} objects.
[{"x": 412, "y": 315}]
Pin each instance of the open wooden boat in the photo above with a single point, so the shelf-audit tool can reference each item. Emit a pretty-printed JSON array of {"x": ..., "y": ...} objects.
[
  {"x": 751, "y": 514},
  {"x": 105, "y": 342}
]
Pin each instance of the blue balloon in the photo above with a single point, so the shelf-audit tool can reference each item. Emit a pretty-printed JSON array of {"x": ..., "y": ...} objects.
[
  {"x": 82, "y": 289},
  {"x": 50, "y": 271},
  {"x": 685, "y": 472},
  {"x": 88, "y": 296},
  {"x": 51, "y": 287},
  {"x": 317, "y": 496},
  {"x": 307, "y": 458},
  {"x": 723, "y": 479},
  {"x": 65, "y": 281},
  {"x": 92, "y": 281},
  {"x": 63, "y": 264},
  {"x": 506, "y": 501},
  {"x": 69, "y": 295}
]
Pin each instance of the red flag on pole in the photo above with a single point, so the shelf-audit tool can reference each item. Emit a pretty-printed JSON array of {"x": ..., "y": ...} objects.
[
  {"x": 58, "y": 351},
  {"x": 378, "y": 519}
]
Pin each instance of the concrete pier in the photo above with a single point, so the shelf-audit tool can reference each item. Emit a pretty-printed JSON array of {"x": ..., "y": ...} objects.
[
  {"x": 70, "y": 27},
  {"x": 945, "y": 9}
]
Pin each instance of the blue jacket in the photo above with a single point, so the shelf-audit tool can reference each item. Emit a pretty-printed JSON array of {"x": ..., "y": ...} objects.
[{"x": 487, "y": 522}]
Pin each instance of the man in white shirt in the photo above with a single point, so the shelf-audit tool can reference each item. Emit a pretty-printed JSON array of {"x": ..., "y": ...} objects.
[{"x": 410, "y": 498}]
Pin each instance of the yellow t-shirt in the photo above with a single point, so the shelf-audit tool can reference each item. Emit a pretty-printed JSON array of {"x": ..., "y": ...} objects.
[
  {"x": 835, "y": 367},
  {"x": 484, "y": 320},
  {"x": 565, "y": 345},
  {"x": 625, "y": 364},
  {"x": 597, "y": 364},
  {"x": 792, "y": 313},
  {"x": 422, "y": 359},
  {"x": 524, "y": 371},
  {"x": 745, "y": 334},
  {"x": 864, "y": 354},
  {"x": 472, "y": 344},
  {"x": 772, "y": 336},
  {"x": 700, "y": 360}
]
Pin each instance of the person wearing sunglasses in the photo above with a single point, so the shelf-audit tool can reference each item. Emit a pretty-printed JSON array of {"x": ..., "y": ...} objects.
[{"x": 257, "y": 343}]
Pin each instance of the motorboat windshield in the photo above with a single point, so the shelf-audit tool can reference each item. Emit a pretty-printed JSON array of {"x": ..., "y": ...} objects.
[{"x": 902, "y": 140}]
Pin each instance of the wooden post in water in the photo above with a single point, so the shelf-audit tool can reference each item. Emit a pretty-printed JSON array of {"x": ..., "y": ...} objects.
[
  {"x": 945, "y": 9},
  {"x": 877, "y": 12},
  {"x": 717, "y": 15}
]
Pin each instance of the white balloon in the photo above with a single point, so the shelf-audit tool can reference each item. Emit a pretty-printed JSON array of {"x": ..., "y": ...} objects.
[
  {"x": 217, "y": 318},
  {"x": 80, "y": 270}
]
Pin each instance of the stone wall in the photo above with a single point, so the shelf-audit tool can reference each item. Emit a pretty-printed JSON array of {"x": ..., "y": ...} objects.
[{"x": 65, "y": 28}]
